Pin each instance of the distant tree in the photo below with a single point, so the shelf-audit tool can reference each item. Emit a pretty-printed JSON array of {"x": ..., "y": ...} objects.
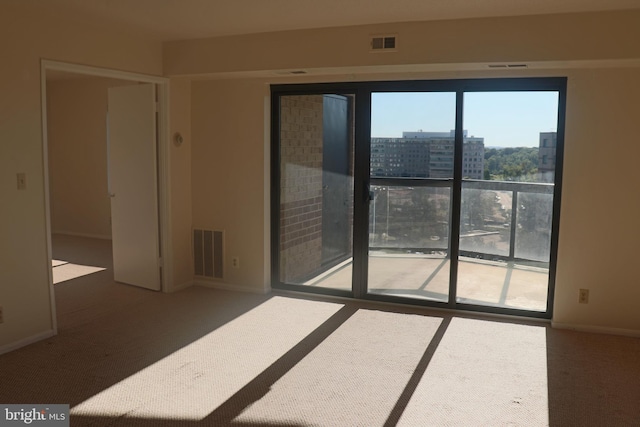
[
  {"x": 534, "y": 211},
  {"x": 511, "y": 163},
  {"x": 534, "y": 226},
  {"x": 477, "y": 206}
]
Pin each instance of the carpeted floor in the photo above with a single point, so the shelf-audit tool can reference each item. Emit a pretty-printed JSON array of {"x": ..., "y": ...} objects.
[{"x": 130, "y": 357}]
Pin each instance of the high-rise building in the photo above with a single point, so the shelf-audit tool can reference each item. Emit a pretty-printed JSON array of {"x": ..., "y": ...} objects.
[
  {"x": 426, "y": 155},
  {"x": 547, "y": 155}
]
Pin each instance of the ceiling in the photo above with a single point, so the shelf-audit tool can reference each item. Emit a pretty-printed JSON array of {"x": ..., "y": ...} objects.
[{"x": 187, "y": 19}]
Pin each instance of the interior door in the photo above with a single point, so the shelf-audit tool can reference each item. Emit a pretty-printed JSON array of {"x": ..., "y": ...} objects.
[{"x": 133, "y": 185}]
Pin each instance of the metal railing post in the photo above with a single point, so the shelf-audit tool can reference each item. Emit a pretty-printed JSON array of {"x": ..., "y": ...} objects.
[{"x": 514, "y": 214}]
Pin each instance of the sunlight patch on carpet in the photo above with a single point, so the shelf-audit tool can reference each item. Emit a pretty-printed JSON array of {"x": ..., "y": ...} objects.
[
  {"x": 354, "y": 377},
  {"x": 192, "y": 382},
  {"x": 484, "y": 373},
  {"x": 63, "y": 270}
]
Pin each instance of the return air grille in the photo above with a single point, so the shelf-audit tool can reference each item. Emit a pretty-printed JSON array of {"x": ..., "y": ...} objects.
[
  {"x": 383, "y": 43},
  {"x": 208, "y": 253}
]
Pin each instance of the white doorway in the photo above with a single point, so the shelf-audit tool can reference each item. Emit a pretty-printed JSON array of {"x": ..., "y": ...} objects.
[{"x": 153, "y": 249}]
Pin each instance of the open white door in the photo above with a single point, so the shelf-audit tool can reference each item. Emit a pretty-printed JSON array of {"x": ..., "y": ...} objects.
[{"x": 133, "y": 185}]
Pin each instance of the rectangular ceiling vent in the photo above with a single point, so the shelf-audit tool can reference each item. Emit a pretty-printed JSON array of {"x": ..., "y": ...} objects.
[
  {"x": 383, "y": 43},
  {"x": 507, "y": 66},
  {"x": 290, "y": 72}
]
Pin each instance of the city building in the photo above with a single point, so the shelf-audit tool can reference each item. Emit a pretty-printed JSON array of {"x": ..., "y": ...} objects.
[
  {"x": 547, "y": 151},
  {"x": 425, "y": 155},
  {"x": 547, "y": 156}
]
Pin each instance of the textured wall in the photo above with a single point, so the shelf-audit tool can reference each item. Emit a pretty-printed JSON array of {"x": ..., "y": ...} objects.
[{"x": 301, "y": 186}]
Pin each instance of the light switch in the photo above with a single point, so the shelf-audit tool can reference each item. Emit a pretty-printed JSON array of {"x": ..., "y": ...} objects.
[{"x": 22, "y": 181}]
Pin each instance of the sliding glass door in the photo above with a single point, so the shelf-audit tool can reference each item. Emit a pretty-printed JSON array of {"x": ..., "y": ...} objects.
[
  {"x": 441, "y": 193},
  {"x": 411, "y": 181},
  {"x": 507, "y": 199}
]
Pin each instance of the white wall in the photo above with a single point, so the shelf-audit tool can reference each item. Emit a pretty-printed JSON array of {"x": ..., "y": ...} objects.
[
  {"x": 180, "y": 172},
  {"x": 27, "y": 35},
  {"x": 599, "y": 227},
  {"x": 598, "y": 53},
  {"x": 228, "y": 172},
  {"x": 434, "y": 44},
  {"x": 228, "y": 162}
]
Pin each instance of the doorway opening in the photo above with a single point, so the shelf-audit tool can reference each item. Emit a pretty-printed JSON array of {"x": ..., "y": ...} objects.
[{"x": 82, "y": 167}]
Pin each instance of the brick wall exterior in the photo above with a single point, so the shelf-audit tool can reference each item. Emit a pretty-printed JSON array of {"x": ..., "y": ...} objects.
[{"x": 300, "y": 186}]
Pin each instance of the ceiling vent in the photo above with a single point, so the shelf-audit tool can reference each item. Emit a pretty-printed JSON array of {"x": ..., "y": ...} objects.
[
  {"x": 383, "y": 43},
  {"x": 493, "y": 66},
  {"x": 290, "y": 72}
]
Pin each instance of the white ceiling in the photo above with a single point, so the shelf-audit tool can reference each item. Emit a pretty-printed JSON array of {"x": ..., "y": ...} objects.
[{"x": 187, "y": 19}]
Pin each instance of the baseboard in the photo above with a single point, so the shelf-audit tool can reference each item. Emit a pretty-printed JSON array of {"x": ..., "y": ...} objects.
[
  {"x": 74, "y": 234},
  {"x": 180, "y": 287},
  {"x": 26, "y": 341},
  {"x": 228, "y": 287},
  {"x": 597, "y": 329}
]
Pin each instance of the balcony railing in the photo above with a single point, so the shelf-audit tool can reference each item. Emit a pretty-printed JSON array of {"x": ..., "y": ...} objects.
[{"x": 499, "y": 220}]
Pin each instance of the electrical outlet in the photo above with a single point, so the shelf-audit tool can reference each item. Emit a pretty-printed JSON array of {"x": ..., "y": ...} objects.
[
  {"x": 1, "y": 315},
  {"x": 583, "y": 296},
  {"x": 235, "y": 262}
]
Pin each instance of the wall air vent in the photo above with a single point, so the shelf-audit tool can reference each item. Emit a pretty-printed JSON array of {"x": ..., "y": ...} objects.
[
  {"x": 208, "y": 253},
  {"x": 383, "y": 43},
  {"x": 493, "y": 66},
  {"x": 290, "y": 72}
]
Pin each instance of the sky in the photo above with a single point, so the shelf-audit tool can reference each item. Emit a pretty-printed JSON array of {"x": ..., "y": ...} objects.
[{"x": 503, "y": 119}]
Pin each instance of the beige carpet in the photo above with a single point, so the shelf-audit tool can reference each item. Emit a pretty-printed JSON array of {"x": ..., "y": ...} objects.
[
  {"x": 64, "y": 271},
  {"x": 130, "y": 357}
]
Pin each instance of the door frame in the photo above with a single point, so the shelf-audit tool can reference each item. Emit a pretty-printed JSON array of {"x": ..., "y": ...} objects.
[
  {"x": 362, "y": 126},
  {"x": 164, "y": 197}
]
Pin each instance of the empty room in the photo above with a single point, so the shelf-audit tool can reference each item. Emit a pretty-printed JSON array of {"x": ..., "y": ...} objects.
[{"x": 319, "y": 213}]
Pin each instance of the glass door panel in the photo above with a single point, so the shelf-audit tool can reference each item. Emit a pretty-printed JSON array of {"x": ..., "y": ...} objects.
[
  {"x": 438, "y": 193},
  {"x": 508, "y": 169},
  {"x": 409, "y": 241},
  {"x": 411, "y": 178},
  {"x": 316, "y": 190}
]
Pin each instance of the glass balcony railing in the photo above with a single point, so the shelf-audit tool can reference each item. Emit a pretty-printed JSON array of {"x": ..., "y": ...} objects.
[
  {"x": 507, "y": 220},
  {"x": 500, "y": 220}
]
